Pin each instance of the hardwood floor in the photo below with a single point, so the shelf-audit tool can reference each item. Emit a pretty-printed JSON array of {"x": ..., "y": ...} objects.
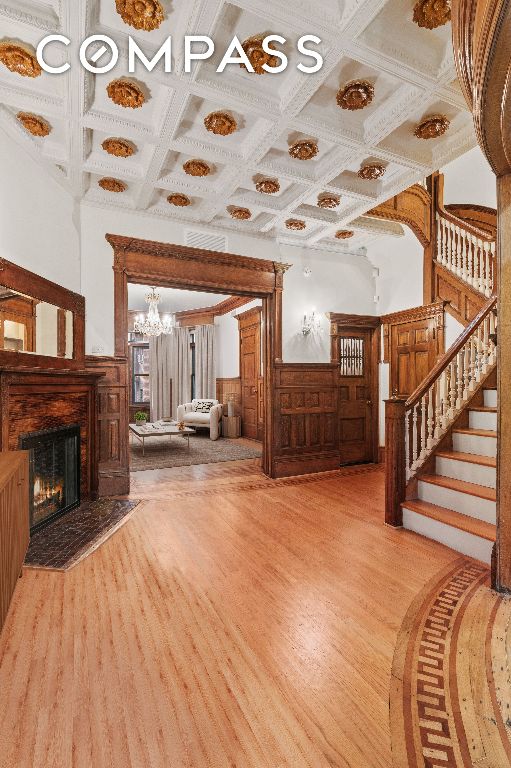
[{"x": 234, "y": 621}]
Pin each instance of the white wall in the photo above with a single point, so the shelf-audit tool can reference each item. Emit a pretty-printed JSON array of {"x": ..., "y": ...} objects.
[
  {"x": 339, "y": 282},
  {"x": 399, "y": 285},
  {"x": 469, "y": 179},
  {"x": 37, "y": 218}
]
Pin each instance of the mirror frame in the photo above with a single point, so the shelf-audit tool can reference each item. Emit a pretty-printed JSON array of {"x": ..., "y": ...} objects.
[{"x": 36, "y": 287}]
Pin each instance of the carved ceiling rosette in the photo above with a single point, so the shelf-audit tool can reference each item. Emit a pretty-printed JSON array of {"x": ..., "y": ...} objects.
[
  {"x": 196, "y": 168},
  {"x": 356, "y": 94},
  {"x": 268, "y": 186},
  {"x": 220, "y": 123},
  {"x": 295, "y": 224},
  {"x": 257, "y": 56},
  {"x": 326, "y": 200},
  {"x": 432, "y": 13},
  {"x": 126, "y": 93},
  {"x": 34, "y": 124},
  {"x": 141, "y": 14},
  {"x": 118, "y": 147},
  {"x": 371, "y": 171},
  {"x": 304, "y": 149},
  {"x": 241, "y": 214},
  {"x": 19, "y": 58},
  {"x": 112, "y": 185},
  {"x": 344, "y": 234},
  {"x": 432, "y": 127},
  {"x": 179, "y": 200}
]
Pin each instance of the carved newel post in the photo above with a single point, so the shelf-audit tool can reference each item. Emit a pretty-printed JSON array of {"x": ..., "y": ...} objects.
[{"x": 395, "y": 461}]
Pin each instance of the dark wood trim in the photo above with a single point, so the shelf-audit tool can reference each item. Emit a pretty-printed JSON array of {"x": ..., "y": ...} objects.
[
  {"x": 174, "y": 266},
  {"x": 411, "y": 207},
  {"x": 424, "y": 312},
  {"x": 342, "y": 321},
  {"x": 252, "y": 316},
  {"x": 395, "y": 460},
  {"x": 305, "y": 415},
  {"x": 206, "y": 315}
]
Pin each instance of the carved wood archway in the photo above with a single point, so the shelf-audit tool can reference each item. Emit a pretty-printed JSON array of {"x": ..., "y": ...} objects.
[{"x": 176, "y": 266}]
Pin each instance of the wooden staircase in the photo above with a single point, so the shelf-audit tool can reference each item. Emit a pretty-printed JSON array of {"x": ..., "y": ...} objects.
[
  {"x": 456, "y": 502},
  {"x": 441, "y": 443}
]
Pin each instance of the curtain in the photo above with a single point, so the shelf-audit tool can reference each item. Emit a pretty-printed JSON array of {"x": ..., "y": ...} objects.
[
  {"x": 205, "y": 381},
  {"x": 170, "y": 370}
]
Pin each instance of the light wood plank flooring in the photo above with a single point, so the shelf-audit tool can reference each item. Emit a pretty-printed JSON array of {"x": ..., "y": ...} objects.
[{"x": 232, "y": 622}]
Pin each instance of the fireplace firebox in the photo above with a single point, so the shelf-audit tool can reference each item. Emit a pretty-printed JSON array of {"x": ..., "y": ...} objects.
[{"x": 54, "y": 473}]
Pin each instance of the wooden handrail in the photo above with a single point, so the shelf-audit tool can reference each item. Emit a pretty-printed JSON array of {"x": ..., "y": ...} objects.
[
  {"x": 462, "y": 224},
  {"x": 451, "y": 353}
]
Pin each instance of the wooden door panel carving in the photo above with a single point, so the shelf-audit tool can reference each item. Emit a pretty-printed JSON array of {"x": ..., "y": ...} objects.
[{"x": 415, "y": 339}]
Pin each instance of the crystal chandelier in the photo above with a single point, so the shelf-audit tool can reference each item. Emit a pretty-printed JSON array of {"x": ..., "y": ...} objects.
[{"x": 151, "y": 324}]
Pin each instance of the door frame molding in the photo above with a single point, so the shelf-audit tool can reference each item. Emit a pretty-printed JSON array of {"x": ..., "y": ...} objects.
[
  {"x": 168, "y": 265},
  {"x": 341, "y": 321}
]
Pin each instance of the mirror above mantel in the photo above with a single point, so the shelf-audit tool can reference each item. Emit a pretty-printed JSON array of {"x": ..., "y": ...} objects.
[
  {"x": 33, "y": 326},
  {"x": 41, "y": 323}
]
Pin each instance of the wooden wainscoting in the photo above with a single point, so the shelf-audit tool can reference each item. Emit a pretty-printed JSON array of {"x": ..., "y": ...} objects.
[
  {"x": 305, "y": 415},
  {"x": 225, "y": 387},
  {"x": 463, "y": 303},
  {"x": 112, "y": 424}
]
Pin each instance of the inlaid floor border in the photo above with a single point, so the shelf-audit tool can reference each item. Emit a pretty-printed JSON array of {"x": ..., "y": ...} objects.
[{"x": 444, "y": 708}]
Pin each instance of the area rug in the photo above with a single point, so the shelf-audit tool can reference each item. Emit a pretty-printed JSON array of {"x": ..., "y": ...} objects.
[
  {"x": 161, "y": 452},
  {"x": 71, "y": 538}
]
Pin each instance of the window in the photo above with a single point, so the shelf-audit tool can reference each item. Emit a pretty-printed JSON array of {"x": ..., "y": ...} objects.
[
  {"x": 351, "y": 356},
  {"x": 140, "y": 373}
]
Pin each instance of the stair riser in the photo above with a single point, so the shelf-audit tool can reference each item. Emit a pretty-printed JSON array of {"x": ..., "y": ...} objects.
[
  {"x": 484, "y": 446},
  {"x": 466, "y": 543},
  {"x": 490, "y": 398},
  {"x": 482, "y": 420},
  {"x": 473, "y": 506},
  {"x": 464, "y": 470}
]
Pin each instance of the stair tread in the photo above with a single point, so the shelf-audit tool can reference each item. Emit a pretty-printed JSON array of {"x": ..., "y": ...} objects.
[
  {"x": 483, "y": 408},
  {"x": 476, "y": 432},
  {"x": 454, "y": 519},
  {"x": 473, "y": 489},
  {"x": 470, "y": 458}
]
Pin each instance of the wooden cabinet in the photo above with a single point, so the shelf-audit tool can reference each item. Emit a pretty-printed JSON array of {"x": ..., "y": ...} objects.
[
  {"x": 14, "y": 524},
  {"x": 231, "y": 426}
]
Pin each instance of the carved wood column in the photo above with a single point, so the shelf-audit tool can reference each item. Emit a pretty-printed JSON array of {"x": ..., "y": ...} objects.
[
  {"x": 120, "y": 307},
  {"x": 280, "y": 269},
  {"x": 502, "y": 575},
  {"x": 395, "y": 460},
  {"x": 482, "y": 52}
]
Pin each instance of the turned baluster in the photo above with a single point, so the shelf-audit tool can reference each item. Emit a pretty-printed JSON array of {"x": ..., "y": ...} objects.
[
  {"x": 452, "y": 389},
  {"x": 431, "y": 419},
  {"x": 487, "y": 268},
  {"x": 438, "y": 407},
  {"x": 473, "y": 362},
  {"x": 407, "y": 444},
  {"x": 486, "y": 345},
  {"x": 470, "y": 259},
  {"x": 475, "y": 278},
  {"x": 448, "y": 245},
  {"x": 466, "y": 370},
  {"x": 464, "y": 245},
  {"x": 424, "y": 421},
  {"x": 439, "y": 242},
  {"x": 414, "y": 437},
  {"x": 459, "y": 380},
  {"x": 479, "y": 353}
]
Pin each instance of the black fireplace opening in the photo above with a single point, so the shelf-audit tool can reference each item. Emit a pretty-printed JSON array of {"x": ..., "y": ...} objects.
[{"x": 54, "y": 473}]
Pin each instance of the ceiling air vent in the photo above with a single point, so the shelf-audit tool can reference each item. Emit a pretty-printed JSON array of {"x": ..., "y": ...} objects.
[{"x": 206, "y": 240}]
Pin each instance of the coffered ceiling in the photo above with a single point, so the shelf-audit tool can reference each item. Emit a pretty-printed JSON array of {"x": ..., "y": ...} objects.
[{"x": 410, "y": 69}]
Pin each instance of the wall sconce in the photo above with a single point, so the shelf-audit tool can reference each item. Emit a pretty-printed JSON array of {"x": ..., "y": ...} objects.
[{"x": 311, "y": 323}]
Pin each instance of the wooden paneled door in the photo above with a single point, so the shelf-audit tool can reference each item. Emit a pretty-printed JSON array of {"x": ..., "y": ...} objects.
[
  {"x": 355, "y": 349},
  {"x": 415, "y": 341},
  {"x": 250, "y": 372}
]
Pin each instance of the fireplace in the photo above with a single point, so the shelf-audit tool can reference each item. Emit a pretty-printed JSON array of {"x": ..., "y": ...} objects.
[{"x": 54, "y": 472}]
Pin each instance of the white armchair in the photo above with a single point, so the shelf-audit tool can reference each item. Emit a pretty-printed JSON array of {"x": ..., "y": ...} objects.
[{"x": 203, "y": 413}]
